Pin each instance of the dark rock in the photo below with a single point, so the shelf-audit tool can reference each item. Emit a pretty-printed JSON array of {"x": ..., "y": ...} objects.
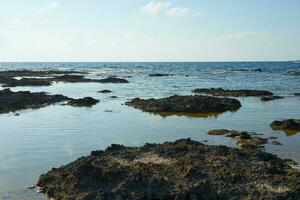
[
  {"x": 113, "y": 80},
  {"x": 113, "y": 97},
  {"x": 7, "y": 78},
  {"x": 84, "y": 102},
  {"x": 234, "y": 93},
  {"x": 294, "y": 73},
  {"x": 105, "y": 91},
  {"x": 289, "y": 124},
  {"x": 12, "y": 82},
  {"x": 183, "y": 169},
  {"x": 275, "y": 142},
  {"x": 270, "y": 98},
  {"x": 247, "y": 69},
  {"x": 218, "y": 132},
  {"x": 12, "y": 101},
  {"x": 186, "y": 104},
  {"x": 159, "y": 75},
  {"x": 244, "y": 139},
  {"x": 297, "y": 94}
]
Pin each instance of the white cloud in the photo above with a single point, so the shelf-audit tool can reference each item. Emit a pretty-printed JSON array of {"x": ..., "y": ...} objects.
[
  {"x": 177, "y": 11},
  {"x": 156, "y": 7},
  {"x": 49, "y": 8},
  {"x": 240, "y": 35}
]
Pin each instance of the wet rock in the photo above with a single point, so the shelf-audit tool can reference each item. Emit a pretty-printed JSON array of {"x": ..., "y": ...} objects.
[
  {"x": 294, "y": 73},
  {"x": 185, "y": 104},
  {"x": 289, "y": 124},
  {"x": 84, "y": 102},
  {"x": 218, "y": 132},
  {"x": 244, "y": 139},
  {"x": 113, "y": 80},
  {"x": 247, "y": 69},
  {"x": 183, "y": 169},
  {"x": 13, "y": 101},
  {"x": 297, "y": 94},
  {"x": 12, "y": 82},
  {"x": 46, "y": 80},
  {"x": 270, "y": 98},
  {"x": 275, "y": 142},
  {"x": 234, "y": 93},
  {"x": 159, "y": 75},
  {"x": 105, "y": 91},
  {"x": 113, "y": 97}
]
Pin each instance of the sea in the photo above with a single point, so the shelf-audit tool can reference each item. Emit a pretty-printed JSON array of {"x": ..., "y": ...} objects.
[{"x": 37, "y": 140}]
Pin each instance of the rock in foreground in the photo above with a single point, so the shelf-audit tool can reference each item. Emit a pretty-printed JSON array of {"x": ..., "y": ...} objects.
[
  {"x": 184, "y": 169},
  {"x": 12, "y": 101},
  {"x": 233, "y": 93},
  {"x": 289, "y": 124},
  {"x": 186, "y": 104}
]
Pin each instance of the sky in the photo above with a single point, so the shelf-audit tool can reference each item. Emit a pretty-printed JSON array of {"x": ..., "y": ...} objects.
[{"x": 145, "y": 30}]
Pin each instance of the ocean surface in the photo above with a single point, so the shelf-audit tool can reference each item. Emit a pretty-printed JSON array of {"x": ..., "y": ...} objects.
[{"x": 37, "y": 140}]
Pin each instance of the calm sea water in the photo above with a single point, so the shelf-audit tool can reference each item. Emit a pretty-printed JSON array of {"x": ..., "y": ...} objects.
[{"x": 37, "y": 140}]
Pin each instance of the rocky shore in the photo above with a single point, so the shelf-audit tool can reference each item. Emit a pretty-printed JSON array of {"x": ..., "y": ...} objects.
[
  {"x": 186, "y": 104},
  {"x": 183, "y": 169}
]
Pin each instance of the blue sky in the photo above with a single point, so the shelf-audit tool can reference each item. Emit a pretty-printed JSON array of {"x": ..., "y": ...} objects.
[{"x": 145, "y": 30}]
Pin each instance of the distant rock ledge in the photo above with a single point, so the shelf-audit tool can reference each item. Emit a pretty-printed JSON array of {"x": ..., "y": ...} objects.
[{"x": 183, "y": 169}]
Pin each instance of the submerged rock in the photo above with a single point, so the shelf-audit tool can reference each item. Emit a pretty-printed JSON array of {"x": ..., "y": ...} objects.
[
  {"x": 297, "y": 94},
  {"x": 84, "y": 102},
  {"x": 247, "y": 69},
  {"x": 289, "y": 124},
  {"x": 113, "y": 80},
  {"x": 159, "y": 75},
  {"x": 234, "y": 93},
  {"x": 270, "y": 98},
  {"x": 186, "y": 104},
  {"x": 183, "y": 169},
  {"x": 105, "y": 91},
  {"x": 13, "y": 101},
  {"x": 294, "y": 73},
  {"x": 244, "y": 139}
]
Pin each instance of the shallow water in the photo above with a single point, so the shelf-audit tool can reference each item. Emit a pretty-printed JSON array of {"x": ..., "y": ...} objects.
[{"x": 37, "y": 140}]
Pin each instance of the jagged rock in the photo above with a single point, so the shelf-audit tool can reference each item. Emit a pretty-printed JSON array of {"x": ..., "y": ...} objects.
[
  {"x": 13, "y": 101},
  {"x": 289, "y": 124},
  {"x": 234, "y": 93},
  {"x": 270, "y": 98},
  {"x": 184, "y": 169},
  {"x": 84, "y": 102},
  {"x": 186, "y": 104}
]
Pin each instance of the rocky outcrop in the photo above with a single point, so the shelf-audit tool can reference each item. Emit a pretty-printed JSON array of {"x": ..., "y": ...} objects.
[
  {"x": 234, "y": 93},
  {"x": 113, "y": 80},
  {"x": 293, "y": 73},
  {"x": 46, "y": 78},
  {"x": 13, "y": 101},
  {"x": 105, "y": 91},
  {"x": 245, "y": 140},
  {"x": 84, "y": 102},
  {"x": 270, "y": 98},
  {"x": 288, "y": 124},
  {"x": 186, "y": 104},
  {"x": 184, "y": 169}
]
